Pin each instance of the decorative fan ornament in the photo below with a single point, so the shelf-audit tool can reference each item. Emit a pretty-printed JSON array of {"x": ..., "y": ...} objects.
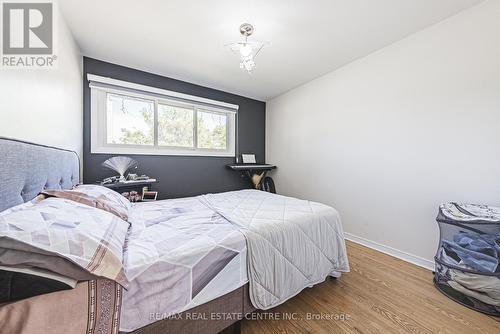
[
  {"x": 120, "y": 165},
  {"x": 248, "y": 50}
]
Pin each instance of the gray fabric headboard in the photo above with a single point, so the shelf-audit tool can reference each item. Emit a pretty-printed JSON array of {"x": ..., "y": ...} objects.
[{"x": 26, "y": 169}]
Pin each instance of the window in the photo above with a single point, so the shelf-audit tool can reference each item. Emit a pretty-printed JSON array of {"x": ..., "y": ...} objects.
[
  {"x": 131, "y": 121},
  {"x": 175, "y": 126},
  {"x": 212, "y": 130}
]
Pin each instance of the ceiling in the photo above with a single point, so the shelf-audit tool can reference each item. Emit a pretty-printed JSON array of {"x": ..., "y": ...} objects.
[{"x": 185, "y": 39}]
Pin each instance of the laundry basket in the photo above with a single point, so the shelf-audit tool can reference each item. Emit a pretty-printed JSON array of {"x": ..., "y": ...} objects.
[{"x": 468, "y": 256}]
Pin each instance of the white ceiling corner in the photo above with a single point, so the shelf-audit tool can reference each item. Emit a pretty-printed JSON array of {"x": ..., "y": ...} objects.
[{"x": 185, "y": 39}]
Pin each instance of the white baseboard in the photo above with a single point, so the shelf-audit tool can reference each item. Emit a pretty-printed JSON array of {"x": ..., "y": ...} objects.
[{"x": 414, "y": 259}]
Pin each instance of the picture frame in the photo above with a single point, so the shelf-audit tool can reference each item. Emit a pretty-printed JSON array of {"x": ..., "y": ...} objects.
[
  {"x": 248, "y": 158},
  {"x": 149, "y": 196}
]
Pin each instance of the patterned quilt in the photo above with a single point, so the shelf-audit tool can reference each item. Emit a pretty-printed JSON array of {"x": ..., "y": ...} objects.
[
  {"x": 70, "y": 239},
  {"x": 179, "y": 254},
  {"x": 63, "y": 237}
]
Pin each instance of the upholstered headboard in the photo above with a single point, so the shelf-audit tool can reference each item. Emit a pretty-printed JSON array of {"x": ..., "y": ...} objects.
[{"x": 26, "y": 169}]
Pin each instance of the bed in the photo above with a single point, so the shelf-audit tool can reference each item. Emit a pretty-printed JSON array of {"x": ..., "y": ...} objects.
[{"x": 190, "y": 265}]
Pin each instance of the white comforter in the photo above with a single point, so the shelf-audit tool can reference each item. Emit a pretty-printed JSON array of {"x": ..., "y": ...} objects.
[{"x": 292, "y": 244}]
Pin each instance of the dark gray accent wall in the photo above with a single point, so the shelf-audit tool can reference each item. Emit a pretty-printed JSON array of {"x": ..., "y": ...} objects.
[{"x": 179, "y": 176}]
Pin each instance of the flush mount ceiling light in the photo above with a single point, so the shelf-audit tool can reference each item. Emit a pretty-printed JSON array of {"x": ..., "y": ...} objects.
[{"x": 248, "y": 50}]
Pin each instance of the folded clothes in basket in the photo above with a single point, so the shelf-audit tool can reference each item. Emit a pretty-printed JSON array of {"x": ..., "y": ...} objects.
[
  {"x": 468, "y": 213},
  {"x": 480, "y": 252},
  {"x": 468, "y": 259},
  {"x": 484, "y": 243},
  {"x": 483, "y": 288}
]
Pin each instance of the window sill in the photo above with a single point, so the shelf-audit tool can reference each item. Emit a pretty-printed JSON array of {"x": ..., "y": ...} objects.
[{"x": 152, "y": 151}]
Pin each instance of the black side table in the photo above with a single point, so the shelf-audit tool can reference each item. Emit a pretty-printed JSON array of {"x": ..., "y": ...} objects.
[{"x": 257, "y": 174}]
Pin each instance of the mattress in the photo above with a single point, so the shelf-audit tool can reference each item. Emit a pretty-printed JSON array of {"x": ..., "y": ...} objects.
[{"x": 179, "y": 254}]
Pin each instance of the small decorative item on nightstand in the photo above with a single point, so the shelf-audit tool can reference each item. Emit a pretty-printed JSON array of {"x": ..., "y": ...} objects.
[
  {"x": 149, "y": 196},
  {"x": 248, "y": 158},
  {"x": 134, "y": 196},
  {"x": 120, "y": 165}
]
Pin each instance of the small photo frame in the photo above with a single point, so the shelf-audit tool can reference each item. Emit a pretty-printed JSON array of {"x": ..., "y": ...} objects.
[
  {"x": 248, "y": 158},
  {"x": 149, "y": 196}
]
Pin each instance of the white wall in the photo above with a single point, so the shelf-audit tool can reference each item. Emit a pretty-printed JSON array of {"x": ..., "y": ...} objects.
[
  {"x": 45, "y": 105},
  {"x": 387, "y": 138}
]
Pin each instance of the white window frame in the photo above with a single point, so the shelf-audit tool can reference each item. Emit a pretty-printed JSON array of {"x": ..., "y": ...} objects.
[{"x": 101, "y": 86}]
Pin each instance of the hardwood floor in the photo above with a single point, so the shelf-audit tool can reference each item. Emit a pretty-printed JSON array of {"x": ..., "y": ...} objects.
[{"x": 381, "y": 294}]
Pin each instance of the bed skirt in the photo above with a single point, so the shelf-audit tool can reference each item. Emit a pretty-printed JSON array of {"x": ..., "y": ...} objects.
[
  {"x": 91, "y": 307},
  {"x": 208, "y": 318},
  {"x": 94, "y": 307}
]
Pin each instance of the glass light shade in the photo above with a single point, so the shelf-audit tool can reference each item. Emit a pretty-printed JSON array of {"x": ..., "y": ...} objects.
[
  {"x": 246, "y": 50},
  {"x": 247, "y": 65}
]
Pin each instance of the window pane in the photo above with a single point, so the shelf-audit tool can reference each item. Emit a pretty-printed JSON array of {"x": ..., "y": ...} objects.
[
  {"x": 212, "y": 130},
  {"x": 129, "y": 120},
  {"x": 175, "y": 126}
]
